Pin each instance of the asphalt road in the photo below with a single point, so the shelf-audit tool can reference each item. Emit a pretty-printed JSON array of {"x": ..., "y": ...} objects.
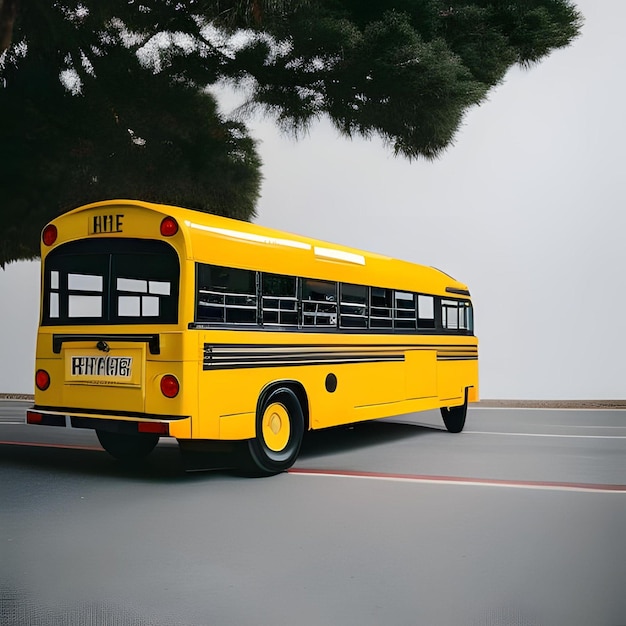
[{"x": 518, "y": 521}]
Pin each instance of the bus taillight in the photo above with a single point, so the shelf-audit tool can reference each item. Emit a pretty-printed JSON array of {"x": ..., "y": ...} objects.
[
  {"x": 169, "y": 227},
  {"x": 34, "y": 418},
  {"x": 42, "y": 380},
  {"x": 155, "y": 428},
  {"x": 49, "y": 234},
  {"x": 170, "y": 386}
]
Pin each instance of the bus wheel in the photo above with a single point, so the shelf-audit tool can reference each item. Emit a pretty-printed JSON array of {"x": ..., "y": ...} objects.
[
  {"x": 279, "y": 432},
  {"x": 127, "y": 447},
  {"x": 454, "y": 417}
]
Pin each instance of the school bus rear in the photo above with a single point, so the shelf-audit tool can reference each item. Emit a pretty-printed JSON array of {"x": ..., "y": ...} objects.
[{"x": 111, "y": 351}]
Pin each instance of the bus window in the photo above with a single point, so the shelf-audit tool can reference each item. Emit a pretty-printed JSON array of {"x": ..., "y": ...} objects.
[
  {"x": 449, "y": 314},
  {"x": 404, "y": 310},
  {"x": 456, "y": 315},
  {"x": 425, "y": 311},
  {"x": 469, "y": 316},
  {"x": 85, "y": 295},
  {"x": 319, "y": 303},
  {"x": 226, "y": 295},
  {"x": 381, "y": 308},
  {"x": 465, "y": 316},
  {"x": 353, "y": 306},
  {"x": 111, "y": 282},
  {"x": 279, "y": 300}
]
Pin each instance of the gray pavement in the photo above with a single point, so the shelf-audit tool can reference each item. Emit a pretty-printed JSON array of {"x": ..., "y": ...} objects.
[{"x": 84, "y": 540}]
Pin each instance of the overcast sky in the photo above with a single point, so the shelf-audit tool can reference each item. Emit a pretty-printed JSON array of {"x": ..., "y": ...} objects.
[{"x": 527, "y": 208}]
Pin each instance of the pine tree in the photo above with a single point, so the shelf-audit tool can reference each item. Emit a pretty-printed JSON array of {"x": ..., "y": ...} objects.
[{"x": 100, "y": 100}]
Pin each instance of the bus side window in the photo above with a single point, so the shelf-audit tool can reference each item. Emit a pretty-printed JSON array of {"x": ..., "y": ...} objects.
[
  {"x": 381, "y": 308},
  {"x": 404, "y": 310},
  {"x": 319, "y": 302},
  {"x": 425, "y": 311},
  {"x": 469, "y": 317},
  {"x": 226, "y": 295},
  {"x": 279, "y": 302},
  {"x": 353, "y": 306},
  {"x": 455, "y": 315},
  {"x": 465, "y": 317}
]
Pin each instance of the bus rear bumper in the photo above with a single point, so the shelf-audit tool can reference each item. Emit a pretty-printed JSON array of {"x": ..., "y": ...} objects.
[{"x": 178, "y": 426}]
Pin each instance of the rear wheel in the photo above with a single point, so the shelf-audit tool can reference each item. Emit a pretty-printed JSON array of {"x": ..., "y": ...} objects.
[
  {"x": 279, "y": 432},
  {"x": 454, "y": 417},
  {"x": 127, "y": 447}
]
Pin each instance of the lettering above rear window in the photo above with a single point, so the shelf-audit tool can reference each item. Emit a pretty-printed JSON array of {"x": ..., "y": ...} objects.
[{"x": 99, "y": 224}]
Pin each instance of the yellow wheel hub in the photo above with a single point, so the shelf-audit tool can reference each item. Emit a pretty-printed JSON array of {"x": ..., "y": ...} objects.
[{"x": 276, "y": 427}]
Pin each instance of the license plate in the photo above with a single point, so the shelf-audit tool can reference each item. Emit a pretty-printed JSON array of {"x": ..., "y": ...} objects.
[{"x": 115, "y": 368}]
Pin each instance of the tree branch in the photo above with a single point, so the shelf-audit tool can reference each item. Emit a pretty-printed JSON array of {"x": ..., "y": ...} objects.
[{"x": 8, "y": 12}]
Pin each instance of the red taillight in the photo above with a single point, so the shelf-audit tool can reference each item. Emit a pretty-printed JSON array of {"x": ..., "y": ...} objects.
[
  {"x": 49, "y": 235},
  {"x": 42, "y": 380},
  {"x": 157, "y": 428},
  {"x": 169, "y": 227},
  {"x": 170, "y": 386},
  {"x": 33, "y": 418}
]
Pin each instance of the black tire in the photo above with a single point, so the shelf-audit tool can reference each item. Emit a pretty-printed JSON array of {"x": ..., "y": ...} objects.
[
  {"x": 279, "y": 433},
  {"x": 127, "y": 447},
  {"x": 454, "y": 417}
]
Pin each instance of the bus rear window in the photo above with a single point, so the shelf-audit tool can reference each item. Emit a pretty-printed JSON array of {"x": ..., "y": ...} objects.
[{"x": 111, "y": 281}]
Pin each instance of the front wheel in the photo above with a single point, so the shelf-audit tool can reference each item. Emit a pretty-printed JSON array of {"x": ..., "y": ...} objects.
[
  {"x": 454, "y": 417},
  {"x": 127, "y": 447},
  {"x": 279, "y": 433}
]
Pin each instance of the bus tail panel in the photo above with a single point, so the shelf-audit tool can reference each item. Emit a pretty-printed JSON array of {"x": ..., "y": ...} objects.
[
  {"x": 105, "y": 376},
  {"x": 97, "y": 375}
]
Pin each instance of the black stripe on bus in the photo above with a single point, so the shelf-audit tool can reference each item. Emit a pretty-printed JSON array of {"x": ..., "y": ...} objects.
[
  {"x": 259, "y": 364},
  {"x": 278, "y": 360},
  {"x": 230, "y": 356},
  {"x": 253, "y": 347},
  {"x": 152, "y": 340}
]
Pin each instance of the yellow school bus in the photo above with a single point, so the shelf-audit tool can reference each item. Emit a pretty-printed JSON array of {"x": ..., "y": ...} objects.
[{"x": 158, "y": 321}]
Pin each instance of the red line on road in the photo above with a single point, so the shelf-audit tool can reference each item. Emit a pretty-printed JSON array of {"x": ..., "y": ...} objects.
[
  {"x": 417, "y": 478},
  {"x": 50, "y": 445},
  {"x": 492, "y": 482}
]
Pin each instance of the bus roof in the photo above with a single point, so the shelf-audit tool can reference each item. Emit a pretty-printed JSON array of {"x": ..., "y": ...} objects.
[{"x": 225, "y": 241}]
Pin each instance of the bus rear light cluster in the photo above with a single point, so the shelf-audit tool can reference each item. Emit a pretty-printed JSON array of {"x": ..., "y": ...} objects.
[
  {"x": 33, "y": 418},
  {"x": 156, "y": 428},
  {"x": 49, "y": 234},
  {"x": 169, "y": 227},
  {"x": 42, "y": 380},
  {"x": 170, "y": 386}
]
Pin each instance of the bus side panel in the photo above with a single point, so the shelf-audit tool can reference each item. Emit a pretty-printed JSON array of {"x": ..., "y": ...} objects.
[
  {"x": 227, "y": 402},
  {"x": 364, "y": 391},
  {"x": 185, "y": 403},
  {"x": 229, "y": 397},
  {"x": 421, "y": 374},
  {"x": 453, "y": 378}
]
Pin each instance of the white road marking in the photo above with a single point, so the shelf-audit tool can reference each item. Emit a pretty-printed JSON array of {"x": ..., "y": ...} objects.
[{"x": 480, "y": 432}]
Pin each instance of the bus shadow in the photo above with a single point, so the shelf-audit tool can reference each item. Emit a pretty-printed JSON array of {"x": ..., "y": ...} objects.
[
  {"x": 164, "y": 464},
  {"x": 341, "y": 439},
  {"x": 167, "y": 464}
]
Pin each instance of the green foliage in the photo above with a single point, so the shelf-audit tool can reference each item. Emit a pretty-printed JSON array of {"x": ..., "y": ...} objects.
[
  {"x": 405, "y": 70},
  {"x": 128, "y": 131},
  {"x": 108, "y": 99}
]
